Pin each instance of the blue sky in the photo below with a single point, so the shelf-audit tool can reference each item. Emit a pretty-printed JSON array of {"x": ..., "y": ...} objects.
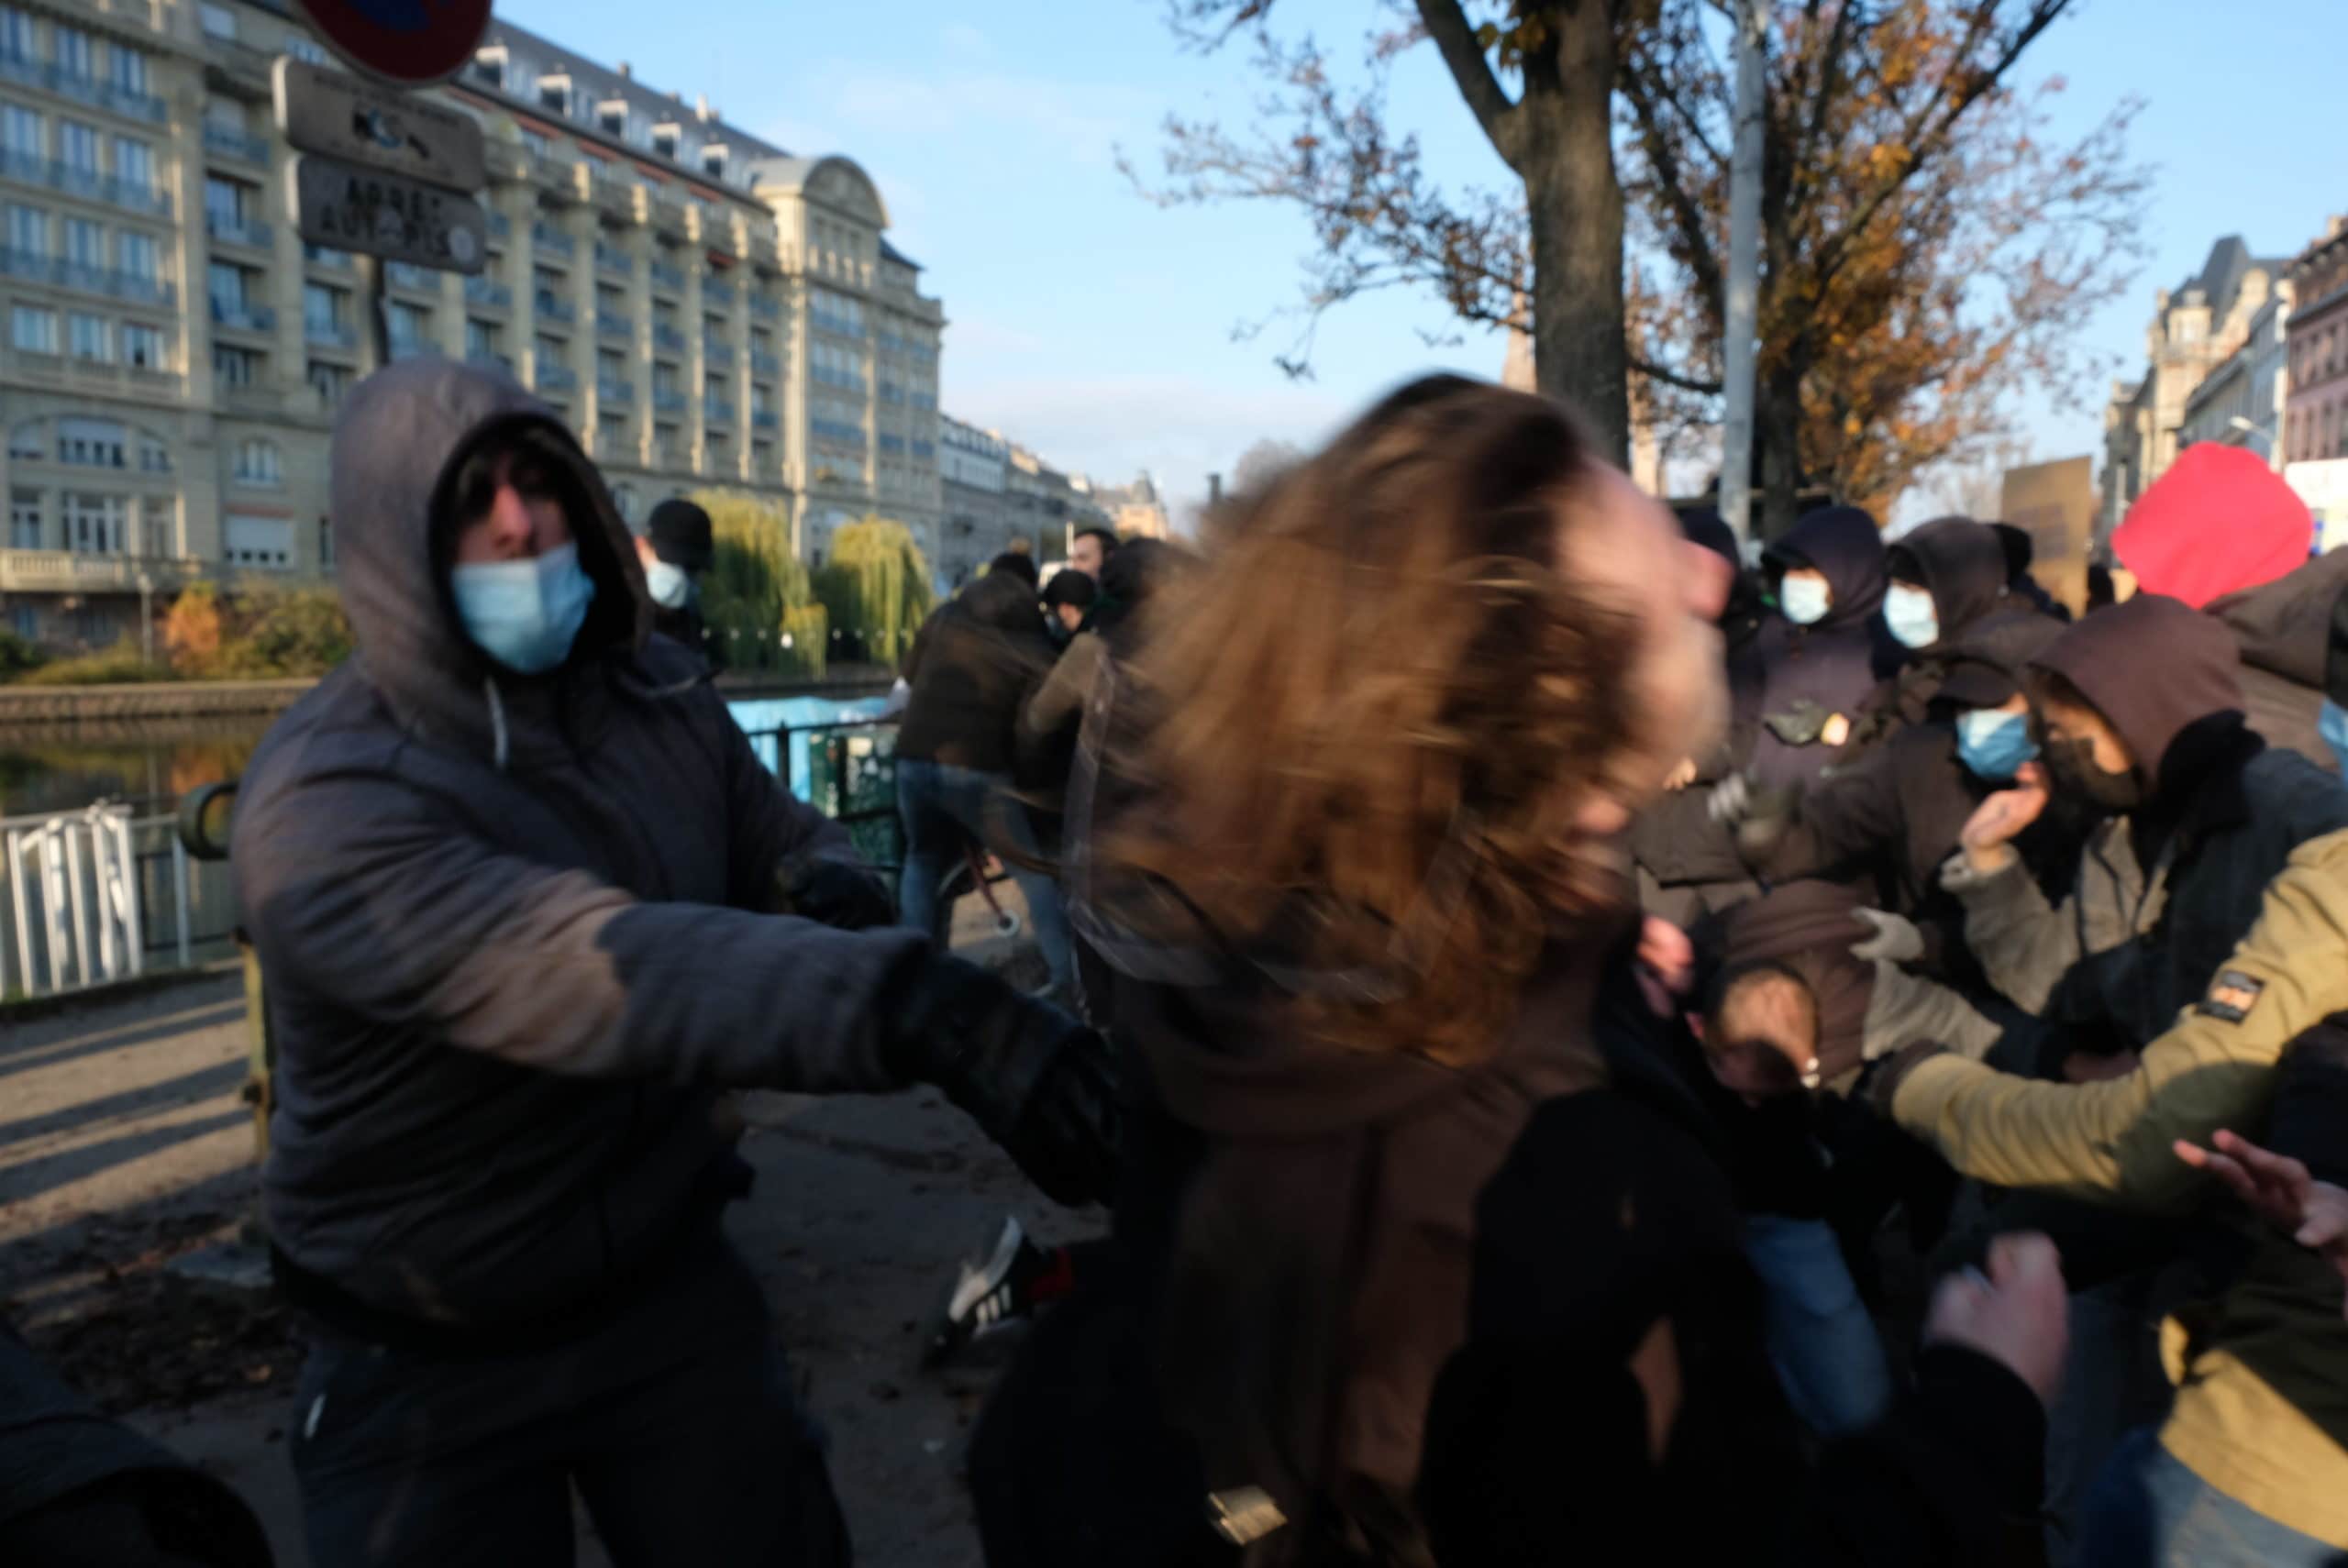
[{"x": 1098, "y": 328}]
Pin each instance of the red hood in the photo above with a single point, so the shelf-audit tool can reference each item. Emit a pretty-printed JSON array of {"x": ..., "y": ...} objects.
[{"x": 2218, "y": 521}]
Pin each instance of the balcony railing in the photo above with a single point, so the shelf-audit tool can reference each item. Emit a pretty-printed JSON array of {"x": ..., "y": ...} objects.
[
  {"x": 33, "y": 571},
  {"x": 766, "y": 307},
  {"x": 611, "y": 258},
  {"x": 133, "y": 287},
  {"x": 618, "y": 393},
  {"x": 481, "y": 290},
  {"x": 557, "y": 177},
  {"x": 552, "y": 376},
  {"x": 664, "y": 276},
  {"x": 668, "y": 400},
  {"x": 59, "y": 176},
  {"x": 331, "y": 260},
  {"x": 243, "y": 315},
  {"x": 555, "y": 310},
  {"x": 553, "y": 241},
  {"x": 340, "y": 335},
  {"x": 715, "y": 291},
  {"x": 619, "y": 328},
  {"x": 88, "y": 88},
  {"x": 408, "y": 275},
  {"x": 828, "y": 321},
  {"x": 766, "y": 419},
  {"x": 230, "y": 229},
  {"x": 667, "y": 339},
  {"x": 717, "y": 355},
  {"x": 718, "y": 411},
  {"x": 409, "y": 345},
  {"x": 764, "y": 364},
  {"x": 230, "y": 142}
]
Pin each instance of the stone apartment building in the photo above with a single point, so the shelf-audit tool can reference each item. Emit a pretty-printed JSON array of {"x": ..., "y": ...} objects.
[
  {"x": 2241, "y": 401},
  {"x": 2316, "y": 415},
  {"x": 704, "y": 308},
  {"x": 999, "y": 496},
  {"x": 2194, "y": 329}
]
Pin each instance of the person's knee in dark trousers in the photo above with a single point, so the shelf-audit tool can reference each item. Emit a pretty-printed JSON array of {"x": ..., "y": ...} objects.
[{"x": 513, "y": 874}]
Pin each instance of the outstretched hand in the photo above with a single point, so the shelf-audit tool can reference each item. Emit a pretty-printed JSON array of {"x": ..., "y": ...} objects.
[
  {"x": 2000, "y": 819},
  {"x": 2280, "y": 1190},
  {"x": 2018, "y": 1314}
]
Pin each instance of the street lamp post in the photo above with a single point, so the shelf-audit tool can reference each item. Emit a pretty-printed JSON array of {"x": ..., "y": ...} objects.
[{"x": 2247, "y": 428}]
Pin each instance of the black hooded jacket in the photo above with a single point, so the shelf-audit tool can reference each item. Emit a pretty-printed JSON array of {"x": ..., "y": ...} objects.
[
  {"x": 2163, "y": 892},
  {"x": 512, "y": 927},
  {"x": 1831, "y": 666},
  {"x": 2285, "y": 629},
  {"x": 1962, "y": 566},
  {"x": 971, "y": 667}
]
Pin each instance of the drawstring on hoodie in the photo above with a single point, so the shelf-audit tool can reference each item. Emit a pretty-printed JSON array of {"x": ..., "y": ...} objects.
[{"x": 497, "y": 720}]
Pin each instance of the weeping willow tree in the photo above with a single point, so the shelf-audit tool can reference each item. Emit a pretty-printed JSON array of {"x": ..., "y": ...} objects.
[
  {"x": 876, "y": 587},
  {"x": 756, "y": 596}
]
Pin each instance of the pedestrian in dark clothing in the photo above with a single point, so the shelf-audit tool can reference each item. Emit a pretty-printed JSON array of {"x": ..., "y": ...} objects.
[
  {"x": 2020, "y": 551},
  {"x": 1890, "y": 821},
  {"x": 1066, "y": 601},
  {"x": 971, "y": 668},
  {"x": 1429, "y": 1257},
  {"x": 1945, "y": 577},
  {"x": 2285, "y": 629},
  {"x": 1827, "y": 649},
  {"x": 1018, "y": 564},
  {"x": 518, "y": 884},
  {"x": 675, "y": 550},
  {"x": 2140, "y": 708}
]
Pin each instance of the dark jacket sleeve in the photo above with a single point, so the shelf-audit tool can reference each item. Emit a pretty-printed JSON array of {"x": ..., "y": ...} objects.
[
  {"x": 1678, "y": 843},
  {"x": 364, "y": 888},
  {"x": 1846, "y": 819}
]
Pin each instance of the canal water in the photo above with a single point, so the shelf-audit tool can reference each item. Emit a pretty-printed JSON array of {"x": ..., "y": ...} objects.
[{"x": 822, "y": 745}]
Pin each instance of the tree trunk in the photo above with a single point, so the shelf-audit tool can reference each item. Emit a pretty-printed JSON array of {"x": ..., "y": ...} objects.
[
  {"x": 1776, "y": 429},
  {"x": 1574, "y": 205}
]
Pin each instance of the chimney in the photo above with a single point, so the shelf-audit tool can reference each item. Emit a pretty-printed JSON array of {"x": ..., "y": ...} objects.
[
  {"x": 701, "y": 109},
  {"x": 1214, "y": 489},
  {"x": 2334, "y": 224},
  {"x": 627, "y": 71}
]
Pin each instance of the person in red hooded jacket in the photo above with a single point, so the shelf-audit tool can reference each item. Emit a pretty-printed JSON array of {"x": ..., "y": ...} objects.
[{"x": 2218, "y": 521}]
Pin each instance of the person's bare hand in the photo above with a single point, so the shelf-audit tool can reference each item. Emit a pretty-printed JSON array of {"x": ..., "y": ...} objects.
[
  {"x": 2280, "y": 1190},
  {"x": 1666, "y": 964},
  {"x": 2018, "y": 1315},
  {"x": 1679, "y": 778},
  {"x": 1997, "y": 821}
]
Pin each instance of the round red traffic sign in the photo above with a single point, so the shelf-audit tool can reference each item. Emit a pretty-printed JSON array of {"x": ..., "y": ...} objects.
[{"x": 411, "y": 42}]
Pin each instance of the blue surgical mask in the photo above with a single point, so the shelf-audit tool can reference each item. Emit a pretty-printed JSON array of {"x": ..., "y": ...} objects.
[
  {"x": 526, "y": 613},
  {"x": 1804, "y": 601},
  {"x": 668, "y": 585},
  {"x": 1908, "y": 613},
  {"x": 1994, "y": 744},
  {"x": 2334, "y": 725}
]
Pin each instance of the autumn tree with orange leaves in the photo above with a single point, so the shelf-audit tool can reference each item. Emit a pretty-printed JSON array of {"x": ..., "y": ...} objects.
[{"x": 1926, "y": 246}]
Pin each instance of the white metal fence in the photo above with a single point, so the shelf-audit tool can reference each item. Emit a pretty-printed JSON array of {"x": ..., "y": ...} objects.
[{"x": 99, "y": 895}]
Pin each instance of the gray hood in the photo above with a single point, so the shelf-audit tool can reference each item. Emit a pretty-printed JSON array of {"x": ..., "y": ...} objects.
[{"x": 399, "y": 439}]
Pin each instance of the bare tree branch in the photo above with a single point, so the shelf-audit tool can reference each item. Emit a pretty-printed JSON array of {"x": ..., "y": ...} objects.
[{"x": 1463, "y": 53}]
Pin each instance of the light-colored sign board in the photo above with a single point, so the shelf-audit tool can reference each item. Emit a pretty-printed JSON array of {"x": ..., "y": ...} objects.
[
  {"x": 347, "y": 208},
  {"x": 2054, "y": 505},
  {"x": 2324, "y": 485},
  {"x": 360, "y": 122}
]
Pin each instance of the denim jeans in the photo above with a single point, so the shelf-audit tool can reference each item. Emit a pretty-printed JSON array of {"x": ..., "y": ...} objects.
[
  {"x": 1818, "y": 1334},
  {"x": 2150, "y": 1510},
  {"x": 944, "y": 808},
  {"x": 675, "y": 1419}
]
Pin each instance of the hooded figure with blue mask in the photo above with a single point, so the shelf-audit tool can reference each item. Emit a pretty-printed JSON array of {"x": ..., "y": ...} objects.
[
  {"x": 677, "y": 548},
  {"x": 1825, "y": 650},
  {"x": 528, "y": 905},
  {"x": 1889, "y": 822},
  {"x": 1946, "y": 576}
]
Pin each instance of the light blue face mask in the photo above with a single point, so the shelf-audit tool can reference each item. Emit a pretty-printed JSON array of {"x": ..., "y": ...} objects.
[
  {"x": 1994, "y": 744},
  {"x": 526, "y": 613},
  {"x": 2334, "y": 725},
  {"x": 1908, "y": 613},
  {"x": 668, "y": 585},
  {"x": 1804, "y": 601}
]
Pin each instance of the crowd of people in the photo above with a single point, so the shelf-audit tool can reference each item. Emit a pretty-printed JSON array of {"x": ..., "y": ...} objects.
[{"x": 1593, "y": 1051}]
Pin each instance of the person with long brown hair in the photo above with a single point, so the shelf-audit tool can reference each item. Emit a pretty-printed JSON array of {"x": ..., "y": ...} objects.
[{"x": 1423, "y": 1257}]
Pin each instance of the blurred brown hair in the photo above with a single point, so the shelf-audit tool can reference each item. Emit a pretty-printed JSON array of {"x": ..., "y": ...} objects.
[{"x": 1374, "y": 713}]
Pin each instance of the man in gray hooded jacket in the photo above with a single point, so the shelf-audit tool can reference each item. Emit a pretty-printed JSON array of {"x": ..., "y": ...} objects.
[{"x": 526, "y": 905}]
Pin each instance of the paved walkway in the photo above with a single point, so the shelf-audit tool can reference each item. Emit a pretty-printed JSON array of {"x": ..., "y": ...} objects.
[{"x": 124, "y": 1147}]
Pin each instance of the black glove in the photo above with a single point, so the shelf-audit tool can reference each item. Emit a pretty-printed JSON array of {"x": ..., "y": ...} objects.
[
  {"x": 834, "y": 892},
  {"x": 1036, "y": 1081}
]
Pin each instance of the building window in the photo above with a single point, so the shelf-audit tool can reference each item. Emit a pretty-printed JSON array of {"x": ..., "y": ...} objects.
[
  {"x": 326, "y": 543},
  {"x": 610, "y": 367},
  {"x": 89, "y": 337},
  {"x": 73, "y": 53},
  {"x": 128, "y": 68},
  {"x": 24, "y": 520},
  {"x": 219, "y": 22},
  {"x": 713, "y": 163},
  {"x": 32, "y": 330},
  {"x": 154, "y": 457},
  {"x": 488, "y": 66},
  {"x": 226, "y": 285},
  {"x": 611, "y": 441},
  {"x": 138, "y": 256},
  {"x": 258, "y": 464},
  {"x": 613, "y": 118},
  {"x": 230, "y": 202},
  {"x": 142, "y": 347},
  {"x": 331, "y": 383},
  {"x": 409, "y": 329},
  {"x": 263, "y": 541},
  {"x": 16, "y": 35},
  {"x": 134, "y": 163},
  {"x": 481, "y": 341},
  {"x": 21, "y": 131},
  {"x": 324, "y": 311},
  {"x": 307, "y": 50},
  {"x": 554, "y": 93},
  {"x": 77, "y": 148},
  {"x": 235, "y": 367},
  {"x": 95, "y": 524},
  {"x": 27, "y": 230},
  {"x": 86, "y": 243},
  {"x": 664, "y": 141},
  {"x": 535, "y": 142}
]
